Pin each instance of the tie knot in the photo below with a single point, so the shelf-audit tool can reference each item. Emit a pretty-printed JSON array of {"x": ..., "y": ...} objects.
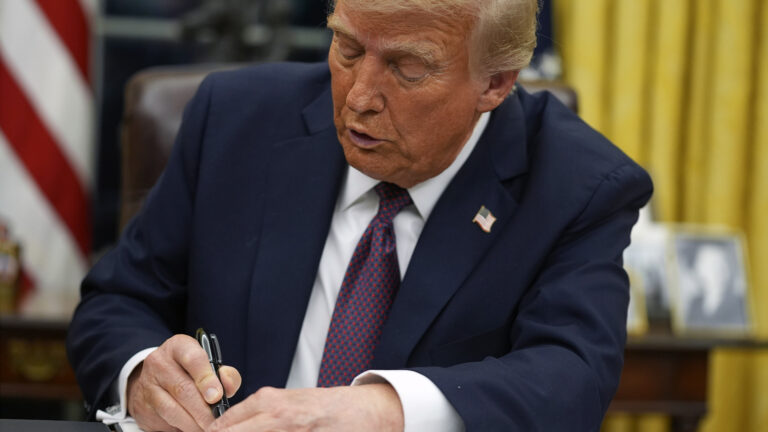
[{"x": 392, "y": 199}]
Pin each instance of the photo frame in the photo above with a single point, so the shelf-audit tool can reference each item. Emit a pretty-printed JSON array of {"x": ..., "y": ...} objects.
[
  {"x": 710, "y": 292},
  {"x": 647, "y": 262}
]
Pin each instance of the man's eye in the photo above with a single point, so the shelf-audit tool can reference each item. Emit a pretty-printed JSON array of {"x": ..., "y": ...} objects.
[
  {"x": 348, "y": 51},
  {"x": 411, "y": 70}
]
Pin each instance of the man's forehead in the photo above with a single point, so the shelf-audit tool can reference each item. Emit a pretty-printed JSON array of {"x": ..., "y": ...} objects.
[{"x": 388, "y": 33}]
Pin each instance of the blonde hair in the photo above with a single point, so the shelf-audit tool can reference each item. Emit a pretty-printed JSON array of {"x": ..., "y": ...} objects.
[{"x": 503, "y": 35}]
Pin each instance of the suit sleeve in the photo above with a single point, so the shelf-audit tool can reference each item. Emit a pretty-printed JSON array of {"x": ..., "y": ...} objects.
[
  {"x": 568, "y": 337},
  {"x": 135, "y": 296}
]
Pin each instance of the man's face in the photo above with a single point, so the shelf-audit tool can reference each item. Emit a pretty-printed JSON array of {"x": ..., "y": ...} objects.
[{"x": 404, "y": 97}]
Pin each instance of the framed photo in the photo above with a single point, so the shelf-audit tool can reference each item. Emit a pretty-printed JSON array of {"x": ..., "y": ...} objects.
[
  {"x": 646, "y": 261},
  {"x": 710, "y": 282}
]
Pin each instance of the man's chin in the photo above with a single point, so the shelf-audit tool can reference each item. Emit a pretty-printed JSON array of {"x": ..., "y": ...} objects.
[
  {"x": 372, "y": 170},
  {"x": 368, "y": 170},
  {"x": 377, "y": 166}
]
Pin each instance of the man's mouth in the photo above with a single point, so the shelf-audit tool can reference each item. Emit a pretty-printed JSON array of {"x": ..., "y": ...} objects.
[{"x": 362, "y": 139}]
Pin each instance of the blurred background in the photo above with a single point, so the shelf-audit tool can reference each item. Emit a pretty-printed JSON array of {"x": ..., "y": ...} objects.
[{"x": 681, "y": 86}]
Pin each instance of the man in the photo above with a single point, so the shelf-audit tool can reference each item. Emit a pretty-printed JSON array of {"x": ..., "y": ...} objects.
[
  {"x": 711, "y": 291},
  {"x": 486, "y": 293}
]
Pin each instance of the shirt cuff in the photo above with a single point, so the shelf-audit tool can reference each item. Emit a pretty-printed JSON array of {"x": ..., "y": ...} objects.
[
  {"x": 117, "y": 413},
  {"x": 425, "y": 408}
]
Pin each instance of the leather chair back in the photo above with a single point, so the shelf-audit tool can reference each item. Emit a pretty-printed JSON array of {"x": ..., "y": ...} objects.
[{"x": 154, "y": 103}]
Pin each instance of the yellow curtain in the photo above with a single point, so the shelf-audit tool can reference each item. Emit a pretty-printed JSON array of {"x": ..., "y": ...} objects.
[
  {"x": 667, "y": 102},
  {"x": 682, "y": 87}
]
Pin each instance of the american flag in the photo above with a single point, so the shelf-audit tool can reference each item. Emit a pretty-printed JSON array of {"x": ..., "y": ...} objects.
[
  {"x": 485, "y": 219},
  {"x": 46, "y": 142}
]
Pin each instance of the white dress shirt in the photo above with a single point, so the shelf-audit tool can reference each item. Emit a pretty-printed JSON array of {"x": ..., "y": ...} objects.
[{"x": 425, "y": 408}]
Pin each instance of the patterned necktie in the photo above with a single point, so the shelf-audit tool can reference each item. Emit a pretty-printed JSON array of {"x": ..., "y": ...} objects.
[{"x": 369, "y": 285}]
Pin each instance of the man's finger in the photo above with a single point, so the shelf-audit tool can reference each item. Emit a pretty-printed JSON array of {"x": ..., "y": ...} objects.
[
  {"x": 231, "y": 379},
  {"x": 191, "y": 356},
  {"x": 246, "y": 410},
  {"x": 173, "y": 378},
  {"x": 256, "y": 423},
  {"x": 183, "y": 390},
  {"x": 139, "y": 406},
  {"x": 168, "y": 409}
]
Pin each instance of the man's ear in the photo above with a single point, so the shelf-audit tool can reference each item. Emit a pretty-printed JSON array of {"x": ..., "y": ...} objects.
[{"x": 499, "y": 86}]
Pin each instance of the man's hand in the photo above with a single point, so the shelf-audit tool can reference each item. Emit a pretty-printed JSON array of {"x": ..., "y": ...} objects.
[
  {"x": 172, "y": 388},
  {"x": 371, "y": 407}
]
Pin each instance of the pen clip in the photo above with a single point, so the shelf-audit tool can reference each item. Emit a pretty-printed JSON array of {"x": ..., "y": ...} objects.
[
  {"x": 205, "y": 342},
  {"x": 215, "y": 350}
]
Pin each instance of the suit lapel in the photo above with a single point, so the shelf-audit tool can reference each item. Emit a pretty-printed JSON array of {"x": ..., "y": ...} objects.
[
  {"x": 451, "y": 245},
  {"x": 304, "y": 179},
  {"x": 302, "y": 184}
]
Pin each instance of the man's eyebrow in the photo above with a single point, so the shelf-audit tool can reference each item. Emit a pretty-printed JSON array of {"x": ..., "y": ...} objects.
[
  {"x": 413, "y": 49},
  {"x": 399, "y": 47},
  {"x": 337, "y": 26}
]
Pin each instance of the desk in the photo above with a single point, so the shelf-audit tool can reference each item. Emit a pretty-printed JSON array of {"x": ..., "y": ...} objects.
[
  {"x": 666, "y": 374},
  {"x": 662, "y": 373},
  {"x": 50, "y": 426}
]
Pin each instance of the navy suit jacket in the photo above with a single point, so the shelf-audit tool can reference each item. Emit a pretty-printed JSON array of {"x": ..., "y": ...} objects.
[{"x": 522, "y": 328}]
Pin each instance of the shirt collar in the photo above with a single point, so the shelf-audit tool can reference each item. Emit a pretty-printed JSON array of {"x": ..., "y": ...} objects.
[{"x": 424, "y": 194}]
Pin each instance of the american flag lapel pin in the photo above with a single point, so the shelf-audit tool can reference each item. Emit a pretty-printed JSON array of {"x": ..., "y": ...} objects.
[{"x": 484, "y": 219}]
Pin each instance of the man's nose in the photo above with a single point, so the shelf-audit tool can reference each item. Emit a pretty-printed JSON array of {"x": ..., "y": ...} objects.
[{"x": 365, "y": 94}]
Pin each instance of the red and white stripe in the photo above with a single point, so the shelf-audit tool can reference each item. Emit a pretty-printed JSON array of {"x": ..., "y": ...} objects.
[{"x": 46, "y": 140}]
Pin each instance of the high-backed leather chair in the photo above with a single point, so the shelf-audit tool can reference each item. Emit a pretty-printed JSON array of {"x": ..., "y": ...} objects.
[{"x": 154, "y": 103}]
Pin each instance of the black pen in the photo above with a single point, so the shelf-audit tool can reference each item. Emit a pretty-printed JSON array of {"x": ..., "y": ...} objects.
[{"x": 210, "y": 344}]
